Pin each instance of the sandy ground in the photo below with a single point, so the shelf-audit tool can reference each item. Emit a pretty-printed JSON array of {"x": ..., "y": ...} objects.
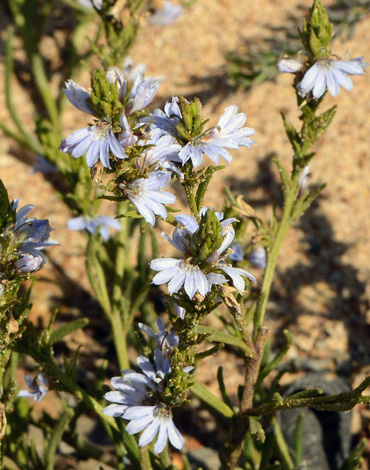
[{"x": 322, "y": 289}]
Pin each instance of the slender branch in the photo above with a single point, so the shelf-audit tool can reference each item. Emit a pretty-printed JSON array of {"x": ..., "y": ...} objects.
[{"x": 273, "y": 256}]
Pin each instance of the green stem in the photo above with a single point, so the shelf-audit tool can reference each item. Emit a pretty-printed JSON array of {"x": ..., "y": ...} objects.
[
  {"x": 273, "y": 256},
  {"x": 166, "y": 460},
  {"x": 119, "y": 339},
  {"x": 145, "y": 458},
  {"x": 117, "y": 314},
  {"x": 56, "y": 437}
]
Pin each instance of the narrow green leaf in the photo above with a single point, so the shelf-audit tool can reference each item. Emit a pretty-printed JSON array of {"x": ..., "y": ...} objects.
[
  {"x": 221, "y": 384},
  {"x": 298, "y": 443},
  {"x": 67, "y": 329},
  {"x": 221, "y": 337},
  {"x": 207, "y": 397}
]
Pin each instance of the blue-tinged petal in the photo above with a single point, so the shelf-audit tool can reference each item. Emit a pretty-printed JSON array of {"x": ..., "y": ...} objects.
[
  {"x": 116, "y": 397},
  {"x": 332, "y": 83},
  {"x": 144, "y": 211},
  {"x": 78, "y": 223},
  {"x": 162, "y": 437},
  {"x": 350, "y": 66},
  {"x": 190, "y": 284},
  {"x": 137, "y": 412},
  {"x": 145, "y": 365},
  {"x": 78, "y": 95},
  {"x": 161, "y": 264},
  {"x": 116, "y": 148},
  {"x": 309, "y": 79},
  {"x": 176, "y": 282},
  {"x": 174, "y": 435},
  {"x": 137, "y": 425},
  {"x": 92, "y": 154},
  {"x": 81, "y": 148},
  {"x": 343, "y": 79},
  {"x": 114, "y": 410},
  {"x": 104, "y": 153},
  {"x": 165, "y": 276},
  {"x": 149, "y": 433},
  {"x": 76, "y": 137},
  {"x": 320, "y": 84}
]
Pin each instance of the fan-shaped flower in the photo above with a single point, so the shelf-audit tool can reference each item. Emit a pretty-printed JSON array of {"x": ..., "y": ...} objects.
[
  {"x": 132, "y": 401},
  {"x": 165, "y": 340},
  {"x": 96, "y": 141},
  {"x": 228, "y": 133},
  {"x": 188, "y": 273},
  {"x": 147, "y": 195},
  {"x": 92, "y": 224},
  {"x": 38, "y": 388},
  {"x": 30, "y": 235},
  {"x": 330, "y": 74}
]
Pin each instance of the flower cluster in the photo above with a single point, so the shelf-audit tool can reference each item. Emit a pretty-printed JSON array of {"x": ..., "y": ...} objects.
[
  {"x": 138, "y": 396},
  {"x": 145, "y": 152},
  {"x": 205, "y": 261}
]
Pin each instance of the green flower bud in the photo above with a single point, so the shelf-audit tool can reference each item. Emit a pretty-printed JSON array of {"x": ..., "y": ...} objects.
[
  {"x": 208, "y": 238},
  {"x": 317, "y": 33}
]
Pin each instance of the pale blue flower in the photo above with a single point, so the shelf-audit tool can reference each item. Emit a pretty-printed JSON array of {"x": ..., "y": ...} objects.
[
  {"x": 165, "y": 340},
  {"x": 330, "y": 74},
  {"x": 30, "y": 235},
  {"x": 165, "y": 122},
  {"x": 163, "y": 155},
  {"x": 186, "y": 273},
  {"x": 257, "y": 257},
  {"x": 92, "y": 224},
  {"x": 96, "y": 141},
  {"x": 148, "y": 196},
  {"x": 155, "y": 420},
  {"x": 38, "y": 388},
  {"x": 237, "y": 254},
  {"x": 166, "y": 15},
  {"x": 132, "y": 401},
  {"x": 141, "y": 94},
  {"x": 228, "y": 134}
]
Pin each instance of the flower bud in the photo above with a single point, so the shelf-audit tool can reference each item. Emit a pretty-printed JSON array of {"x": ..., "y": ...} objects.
[{"x": 289, "y": 65}]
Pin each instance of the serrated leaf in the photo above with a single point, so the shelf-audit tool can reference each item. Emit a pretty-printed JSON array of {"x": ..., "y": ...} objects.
[{"x": 67, "y": 329}]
